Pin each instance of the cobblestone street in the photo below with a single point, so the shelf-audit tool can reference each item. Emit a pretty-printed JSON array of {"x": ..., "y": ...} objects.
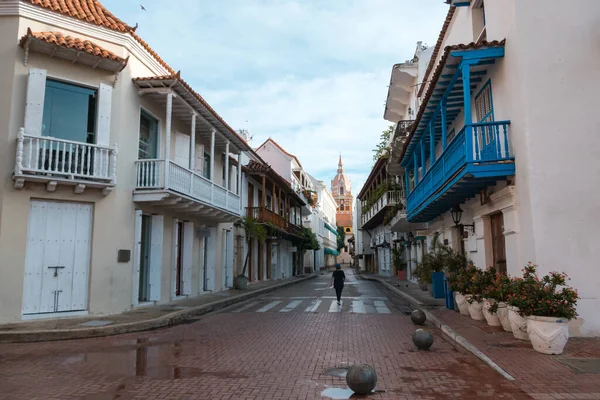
[{"x": 244, "y": 353}]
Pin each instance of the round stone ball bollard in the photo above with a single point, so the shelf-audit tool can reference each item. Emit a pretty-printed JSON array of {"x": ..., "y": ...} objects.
[
  {"x": 418, "y": 317},
  {"x": 361, "y": 378},
  {"x": 423, "y": 339}
]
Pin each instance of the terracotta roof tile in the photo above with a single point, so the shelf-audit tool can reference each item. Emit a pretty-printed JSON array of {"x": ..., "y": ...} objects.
[
  {"x": 152, "y": 52},
  {"x": 436, "y": 77},
  {"x": 86, "y": 10},
  {"x": 71, "y": 42},
  {"x": 437, "y": 47}
]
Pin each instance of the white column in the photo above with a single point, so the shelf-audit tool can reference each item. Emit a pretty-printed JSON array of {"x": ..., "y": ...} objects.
[
  {"x": 168, "y": 136},
  {"x": 227, "y": 165},
  {"x": 239, "y": 180},
  {"x": 193, "y": 143},
  {"x": 168, "y": 126},
  {"x": 212, "y": 164}
]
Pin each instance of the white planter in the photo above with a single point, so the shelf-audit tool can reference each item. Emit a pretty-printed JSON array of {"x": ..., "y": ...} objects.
[
  {"x": 548, "y": 335},
  {"x": 503, "y": 317},
  {"x": 461, "y": 302},
  {"x": 518, "y": 324},
  {"x": 476, "y": 310},
  {"x": 492, "y": 319}
]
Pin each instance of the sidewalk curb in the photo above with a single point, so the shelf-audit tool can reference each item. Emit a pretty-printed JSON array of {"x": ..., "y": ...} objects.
[
  {"x": 167, "y": 320},
  {"x": 414, "y": 303}
]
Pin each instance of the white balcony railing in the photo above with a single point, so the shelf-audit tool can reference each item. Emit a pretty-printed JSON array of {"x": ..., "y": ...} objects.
[
  {"x": 58, "y": 158},
  {"x": 158, "y": 174},
  {"x": 390, "y": 198}
]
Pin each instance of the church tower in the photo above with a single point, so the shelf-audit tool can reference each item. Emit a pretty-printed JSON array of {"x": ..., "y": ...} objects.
[{"x": 341, "y": 189}]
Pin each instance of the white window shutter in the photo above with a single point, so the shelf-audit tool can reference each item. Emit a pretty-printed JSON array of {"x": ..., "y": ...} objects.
[
  {"x": 182, "y": 149},
  {"x": 137, "y": 255},
  {"x": 156, "y": 256},
  {"x": 104, "y": 103},
  {"x": 34, "y": 101},
  {"x": 188, "y": 251}
]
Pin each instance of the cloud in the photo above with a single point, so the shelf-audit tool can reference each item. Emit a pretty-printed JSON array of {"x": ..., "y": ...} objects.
[{"x": 311, "y": 74}]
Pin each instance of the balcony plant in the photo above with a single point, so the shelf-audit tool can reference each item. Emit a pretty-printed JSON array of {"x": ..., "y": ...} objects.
[
  {"x": 497, "y": 295},
  {"x": 252, "y": 230},
  {"x": 548, "y": 305}
]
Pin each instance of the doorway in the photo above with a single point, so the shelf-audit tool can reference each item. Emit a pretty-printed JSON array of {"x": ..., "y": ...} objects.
[
  {"x": 179, "y": 260},
  {"x": 144, "y": 288},
  {"x": 260, "y": 262},
  {"x": 498, "y": 243}
]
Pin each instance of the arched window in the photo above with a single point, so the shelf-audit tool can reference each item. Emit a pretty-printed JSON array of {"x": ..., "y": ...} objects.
[
  {"x": 342, "y": 207},
  {"x": 341, "y": 190}
]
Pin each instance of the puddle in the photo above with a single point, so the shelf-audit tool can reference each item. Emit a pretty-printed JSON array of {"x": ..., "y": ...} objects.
[{"x": 341, "y": 393}]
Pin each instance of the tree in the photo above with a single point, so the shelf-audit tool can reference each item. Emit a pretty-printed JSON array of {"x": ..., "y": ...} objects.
[
  {"x": 252, "y": 229},
  {"x": 383, "y": 148},
  {"x": 307, "y": 241},
  {"x": 341, "y": 238}
]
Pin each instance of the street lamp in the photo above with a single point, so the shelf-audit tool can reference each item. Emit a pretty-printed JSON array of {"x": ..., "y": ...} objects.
[{"x": 456, "y": 213}]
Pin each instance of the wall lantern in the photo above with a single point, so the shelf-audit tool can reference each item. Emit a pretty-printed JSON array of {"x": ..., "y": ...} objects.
[
  {"x": 385, "y": 244},
  {"x": 457, "y": 215}
]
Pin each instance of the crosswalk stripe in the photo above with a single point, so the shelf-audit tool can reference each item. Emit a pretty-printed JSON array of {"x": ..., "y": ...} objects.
[
  {"x": 291, "y": 306},
  {"x": 314, "y": 305},
  {"x": 268, "y": 306},
  {"x": 358, "y": 307},
  {"x": 247, "y": 306},
  {"x": 334, "y": 306},
  {"x": 381, "y": 307}
]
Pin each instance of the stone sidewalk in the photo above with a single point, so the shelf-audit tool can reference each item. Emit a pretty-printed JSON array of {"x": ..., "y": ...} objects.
[
  {"x": 540, "y": 376},
  {"x": 138, "y": 319}
]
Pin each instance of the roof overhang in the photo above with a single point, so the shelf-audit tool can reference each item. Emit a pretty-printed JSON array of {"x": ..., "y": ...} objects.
[
  {"x": 402, "y": 81},
  {"x": 447, "y": 85},
  {"x": 78, "y": 51},
  {"x": 188, "y": 103}
]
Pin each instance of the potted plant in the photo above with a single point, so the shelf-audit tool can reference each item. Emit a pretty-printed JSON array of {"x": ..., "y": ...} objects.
[
  {"x": 252, "y": 229},
  {"x": 489, "y": 296},
  {"x": 549, "y": 307},
  {"x": 460, "y": 282},
  {"x": 475, "y": 298},
  {"x": 399, "y": 263},
  {"x": 520, "y": 299},
  {"x": 496, "y": 295},
  {"x": 434, "y": 264},
  {"x": 423, "y": 275}
]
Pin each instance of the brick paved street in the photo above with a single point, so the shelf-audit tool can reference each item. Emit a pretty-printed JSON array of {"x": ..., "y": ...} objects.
[{"x": 246, "y": 354}]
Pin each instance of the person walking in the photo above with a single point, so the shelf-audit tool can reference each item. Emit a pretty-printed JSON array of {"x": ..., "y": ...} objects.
[{"x": 337, "y": 281}]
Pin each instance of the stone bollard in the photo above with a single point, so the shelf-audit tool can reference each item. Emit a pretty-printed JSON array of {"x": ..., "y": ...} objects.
[
  {"x": 361, "y": 378},
  {"x": 418, "y": 317},
  {"x": 423, "y": 339}
]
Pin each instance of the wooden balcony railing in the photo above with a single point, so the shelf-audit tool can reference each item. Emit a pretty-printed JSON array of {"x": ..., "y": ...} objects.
[{"x": 265, "y": 216}]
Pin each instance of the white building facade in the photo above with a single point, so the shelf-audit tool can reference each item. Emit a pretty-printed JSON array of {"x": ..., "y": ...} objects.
[
  {"x": 320, "y": 221},
  {"x": 120, "y": 183},
  {"x": 488, "y": 140}
]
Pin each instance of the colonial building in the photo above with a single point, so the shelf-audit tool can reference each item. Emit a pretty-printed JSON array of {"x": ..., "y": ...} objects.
[
  {"x": 341, "y": 189},
  {"x": 120, "y": 183},
  {"x": 495, "y": 106}
]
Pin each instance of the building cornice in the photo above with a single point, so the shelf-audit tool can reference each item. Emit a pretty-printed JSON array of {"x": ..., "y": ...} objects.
[{"x": 19, "y": 9}]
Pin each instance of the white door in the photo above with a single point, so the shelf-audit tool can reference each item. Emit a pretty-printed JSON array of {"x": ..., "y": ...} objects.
[
  {"x": 182, "y": 150},
  {"x": 57, "y": 258}
]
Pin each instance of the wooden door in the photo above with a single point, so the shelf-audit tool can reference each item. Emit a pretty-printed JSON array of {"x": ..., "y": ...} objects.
[
  {"x": 57, "y": 257},
  {"x": 250, "y": 256},
  {"x": 260, "y": 261},
  {"x": 269, "y": 258},
  {"x": 498, "y": 243}
]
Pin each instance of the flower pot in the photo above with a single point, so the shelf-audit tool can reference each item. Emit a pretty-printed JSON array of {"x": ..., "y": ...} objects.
[
  {"x": 240, "y": 282},
  {"x": 461, "y": 302},
  {"x": 455, "y": 304},
  {"x": 492, "y": 319},
  {"x": 502, "y": 314},
  {"x": 476, "y": 310},
  {"x": 423, "y": 286},
  {"x": 518, "y": 324},
  {"x": 548, "y": 335},
  {"x": 402, "y": 275},
  {"x": 437, "y": 285}
]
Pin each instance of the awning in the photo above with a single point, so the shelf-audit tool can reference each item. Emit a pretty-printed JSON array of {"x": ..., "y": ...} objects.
[
  {"x": 331, "y": 251},
  {"x": 331, "y": 228}
]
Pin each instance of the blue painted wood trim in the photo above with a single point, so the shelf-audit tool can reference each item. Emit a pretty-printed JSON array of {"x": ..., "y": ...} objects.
[
  {"x": 491, "y": 113},
  {"x": 416, "y": 169},
  {"x": 423, "y": 161},
  {"x": 466, "y": 69},
  {"x": 462, "y": 4},
  {"x": 431, "y": 144},
  {"x": 406, "y": 181},
  {"x": 479, "y": 54}
]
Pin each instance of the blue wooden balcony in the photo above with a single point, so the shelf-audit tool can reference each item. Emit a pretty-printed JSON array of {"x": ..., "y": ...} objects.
[
  {"x": 448, "y": 168},
  {"x": 477, "y": 157}
]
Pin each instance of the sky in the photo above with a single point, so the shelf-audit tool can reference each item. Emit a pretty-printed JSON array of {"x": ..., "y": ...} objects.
[{"x": 311, "y": 74}]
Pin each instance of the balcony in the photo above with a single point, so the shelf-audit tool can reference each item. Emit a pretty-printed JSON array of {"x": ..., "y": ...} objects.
[
  {"x": 374, "y": 216},
  {"x": 55, "y": 161},
  {"x": 477, "y": 157},
  {"x": 165, "y": 183},
  {"x": 265, "y": 216}
]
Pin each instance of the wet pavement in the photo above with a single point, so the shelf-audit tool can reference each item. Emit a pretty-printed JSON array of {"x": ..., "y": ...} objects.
[{"x": 245, "y": 354}]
